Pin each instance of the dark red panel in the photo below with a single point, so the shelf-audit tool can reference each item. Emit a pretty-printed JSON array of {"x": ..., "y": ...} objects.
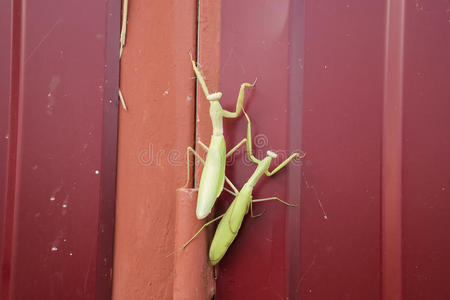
[
  {"x": 343, "y": 89},
  {"x": 66, "y": 145},
  {"x": 336, "y": 51},
  {"x": 5, "y": 90},
  {"x": 426, "y": 151},
  {"x": 254, "y": 44}
]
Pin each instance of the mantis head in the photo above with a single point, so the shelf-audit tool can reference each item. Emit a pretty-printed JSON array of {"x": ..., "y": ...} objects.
[
  {"x": 272, "y": 154},
  {"x": 214, "y": 96}
]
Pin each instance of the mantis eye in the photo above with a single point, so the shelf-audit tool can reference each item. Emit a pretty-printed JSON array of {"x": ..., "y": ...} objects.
[
  {"x": 272, "y": 154},
  {"x": 214, "y": 97}
]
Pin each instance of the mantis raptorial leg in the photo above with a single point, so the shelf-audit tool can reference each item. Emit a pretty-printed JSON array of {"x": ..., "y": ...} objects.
[
  {"x": 284, "y": 163},
  {"x": 237, "y": 112}
]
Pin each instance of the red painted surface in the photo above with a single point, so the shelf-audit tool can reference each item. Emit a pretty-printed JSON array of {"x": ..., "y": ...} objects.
[
  {"x": 362, "y": 88},
  {"x": 426, "y": 148},
  {"x": 58, "y": 208},
  {"x": 391, "y": 197},
  {"x": 158, "y": 84},
  {"x": 193, "y": 276}
]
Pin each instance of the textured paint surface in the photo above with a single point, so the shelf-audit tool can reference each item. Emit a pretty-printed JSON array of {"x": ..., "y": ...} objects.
[
  {"x": 157, "y": 82},
  {"x": 426, "y": 149},
  {"x": 362, "y": 87},
  {"x": 58, "y": 227}
]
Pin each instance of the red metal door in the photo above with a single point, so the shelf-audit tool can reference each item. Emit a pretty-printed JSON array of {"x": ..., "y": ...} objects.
[
  {"x": 59, "y": 78},
  {"x": 362, "y": 87}
]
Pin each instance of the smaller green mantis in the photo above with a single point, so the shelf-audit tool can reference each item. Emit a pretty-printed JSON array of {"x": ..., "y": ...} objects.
[
  {"x": 213, "y": 174},
  {"x": 230, "y": 224}
]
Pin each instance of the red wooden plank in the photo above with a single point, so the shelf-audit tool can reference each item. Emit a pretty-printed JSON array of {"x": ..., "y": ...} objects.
[
  {"x": 66, "y": 141},
  {"x": 426, "y": 149}
]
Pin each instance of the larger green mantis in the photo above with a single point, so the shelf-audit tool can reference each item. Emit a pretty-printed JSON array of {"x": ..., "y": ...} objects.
[{"x": 213, "y": 175}]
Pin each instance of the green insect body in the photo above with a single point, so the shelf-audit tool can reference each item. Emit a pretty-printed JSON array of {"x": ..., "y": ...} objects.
[
  {"x": 231, "y": 222},
  {"x": 213, "y": 174}
]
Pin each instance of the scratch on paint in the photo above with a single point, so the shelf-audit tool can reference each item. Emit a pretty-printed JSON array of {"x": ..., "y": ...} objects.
[
  {"x": 50, "y": 31},
  {"x": 313, "y": 262},
  {"x": 325, "y": 216}
]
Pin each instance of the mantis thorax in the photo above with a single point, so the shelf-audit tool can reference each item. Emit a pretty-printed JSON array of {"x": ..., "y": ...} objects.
[
  {"x": 263, "y": 166},
  {"x": 216, "y": 114}
]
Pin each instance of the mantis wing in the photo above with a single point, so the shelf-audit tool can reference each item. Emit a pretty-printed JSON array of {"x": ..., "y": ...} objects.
[{"x": 213, "y": 176}]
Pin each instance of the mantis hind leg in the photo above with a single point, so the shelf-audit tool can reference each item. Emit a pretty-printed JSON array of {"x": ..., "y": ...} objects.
[
  {"x": 190, "y": 149},
  {"x": 197, "y": 233},
  {"x": 226, "y": 178},
  {"x": 266, "y": 199}
]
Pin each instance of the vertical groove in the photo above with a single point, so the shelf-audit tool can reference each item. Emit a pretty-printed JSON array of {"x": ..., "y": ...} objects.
[
  {"x": 194, "y": 179},
  {"x": 391, "y": 227},
  {"x": 11, "y": 168},
  {"x": 293, "y": 229}
]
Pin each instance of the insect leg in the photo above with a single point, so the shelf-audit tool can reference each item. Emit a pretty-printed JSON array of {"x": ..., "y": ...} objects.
[
  {"x": 284, "y": 163},
  {"x": 195, "y": 235},
  {"x": 249, "y": 140},
  {"x": 226, "y": 178},
  {"x": 240, "y": 100},
  {"x": 189, "y": 149},
  {"x": 236, "y": 147},
  {"x": 199, "y": 77},
  {"x": 273, "y": 198},
  {"x": 201, "y": 228}
]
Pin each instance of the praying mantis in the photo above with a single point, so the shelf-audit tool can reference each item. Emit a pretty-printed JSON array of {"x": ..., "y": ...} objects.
[
  {"x": 231, "y": 222},
  {"x": 213, "y": 175}
]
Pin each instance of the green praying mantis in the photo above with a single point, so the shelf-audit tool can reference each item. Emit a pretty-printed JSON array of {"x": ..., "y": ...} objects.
[
  {"x": 231, "y": 222},
  {"x": 213, "y": 175}
]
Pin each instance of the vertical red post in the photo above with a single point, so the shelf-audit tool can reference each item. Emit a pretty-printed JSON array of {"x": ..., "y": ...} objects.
[{"x": 158, "y": 84}]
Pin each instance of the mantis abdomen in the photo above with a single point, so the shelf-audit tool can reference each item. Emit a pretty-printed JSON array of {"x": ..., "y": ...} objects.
[
  {"x": 230, "y": 224},
  {"x": 213, "y": 176}
]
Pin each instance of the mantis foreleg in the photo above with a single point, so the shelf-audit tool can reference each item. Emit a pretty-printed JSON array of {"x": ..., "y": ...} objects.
[
  {"x": 249, "y": 140},
  {"x": 240, "y": 100},
  {"x": 283, "y": 164},
  {"x": 199, "y": 77}
]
